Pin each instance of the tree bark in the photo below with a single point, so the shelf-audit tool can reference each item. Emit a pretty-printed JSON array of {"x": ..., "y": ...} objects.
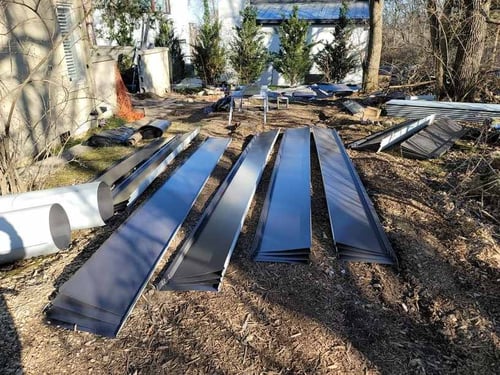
[
  {"x": 370, "y": 74},
  {"x": 438, "y": 34},
  {"x": 470, "y": 50}
]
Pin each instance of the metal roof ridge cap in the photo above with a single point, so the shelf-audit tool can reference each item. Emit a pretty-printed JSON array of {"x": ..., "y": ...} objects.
[
  {"x": 363, "y": 195},
  {"x": 230, "y": 253},
  {"x": 170, "y": 271}
]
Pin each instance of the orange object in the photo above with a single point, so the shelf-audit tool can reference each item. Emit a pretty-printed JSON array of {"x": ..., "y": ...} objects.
[{"x": 125, "y": 109}]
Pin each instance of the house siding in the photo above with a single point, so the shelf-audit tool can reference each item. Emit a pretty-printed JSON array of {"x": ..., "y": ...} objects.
[{"x": 50, "y": 104}]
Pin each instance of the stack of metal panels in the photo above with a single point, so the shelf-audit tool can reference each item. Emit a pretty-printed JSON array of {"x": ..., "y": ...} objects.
[
  {"x": 284, "y": 230},
  {"x": 356, "y": 229},
  {"x": 201, "y": 263},
  {"x": 434, "y": 140},
  {"x": 126, "y": 166},
  {"x": 474, "y": 112},
  {"x": 130, "y": 188},
  {"x": 387, "y": 138},
  {"x": 99, "y": 297}
]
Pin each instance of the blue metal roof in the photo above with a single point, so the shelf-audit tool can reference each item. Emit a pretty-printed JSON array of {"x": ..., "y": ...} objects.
[{"x": 313, "y": 12}]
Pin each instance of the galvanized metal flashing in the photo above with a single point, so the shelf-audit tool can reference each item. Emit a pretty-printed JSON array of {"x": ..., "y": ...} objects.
[
  {"x": 357, "y": 232},
  {"x": 202, "y": 261},
  {"x": 434, "y": 140},
  {"x": 404, "y": 132},
  {"x": 130, "y": 188},
  {"x": 124, "y": 167},
  {"x": 387, "y": 138},
  {"x": 99, "y": 297},
  {"x": 284, "y": 229}
]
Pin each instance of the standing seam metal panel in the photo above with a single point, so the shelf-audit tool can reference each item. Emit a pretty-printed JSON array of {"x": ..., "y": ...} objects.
[
  {"x": 208, "y": 250},
  {"x": 355, "y": 226},
  {"x": 125, "y": 166},
  {"x": 285, "y": 223},
  {"x": 131, "y": 187},
  {"x": 101, "y": 294}
]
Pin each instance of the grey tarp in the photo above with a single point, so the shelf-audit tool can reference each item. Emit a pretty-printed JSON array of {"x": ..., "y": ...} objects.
[
  {"x": 284, "y": 230},
  {"x": 356, "y": 229},
  {"x": 202, "y": 261},
  {"x": 112, "y": 137},
  {"x": 100, "y": 295}
]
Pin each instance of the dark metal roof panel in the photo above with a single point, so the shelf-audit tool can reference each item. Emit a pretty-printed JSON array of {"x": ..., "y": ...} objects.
[
  {"x": 110, "y": 282},
  {"x": 434, "y": 140},
  {"x": 388, "y": 137},
  {"x": 354, "y": 222},
  {"x": 125, "y": 166},
  {"x": 353, "y": 107},
  {"x": 313, "y": 12},
  {"x": 285, "y": 223},
  {"x": 134, "y": 184},
  {"x": 209, "y": 248}
]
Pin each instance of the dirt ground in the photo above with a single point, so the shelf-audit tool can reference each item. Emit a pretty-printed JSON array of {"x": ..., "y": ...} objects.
[{"x": 438, "y": 313}]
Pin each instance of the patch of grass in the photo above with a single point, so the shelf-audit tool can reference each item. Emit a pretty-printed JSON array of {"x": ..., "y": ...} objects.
[{"x": 434, "y": 168}]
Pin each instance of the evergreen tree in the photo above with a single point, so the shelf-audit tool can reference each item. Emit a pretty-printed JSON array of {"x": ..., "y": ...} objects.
[
  {"x": 248, "y": 53},
  {"x": 122, "y": 17},
  {"x": 336, "y": 60},
  {"x": 167, "y": 38},
  {"x": 294, "y": 57},
  {"x": 208, "y": 52}
]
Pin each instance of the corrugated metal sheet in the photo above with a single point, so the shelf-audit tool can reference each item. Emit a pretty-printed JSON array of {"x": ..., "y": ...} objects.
[
  {"x": 413, "y": 109},
  {"x": 433, "y": 141},
  {"x": 313, "y": 12},
  {"x": 356, "y": 229},
  {"x": 99, "y": 297},
  {"x": 202, "y": 261},
  {"x": 284, "y": 229}
]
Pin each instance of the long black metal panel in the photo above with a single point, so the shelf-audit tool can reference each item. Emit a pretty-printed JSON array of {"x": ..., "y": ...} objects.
[
  {"x": 434, "y": 140},
  {"x": 285, "y": 223},
  {"x": 356, "y": 229},
  {"x": 134, "y": 184},
  {"x": 125, "y": 166},
  {"x": 102, "y": 293},
  {"x": 389, "y": 137},
  {"x": 209, "y": 248}
]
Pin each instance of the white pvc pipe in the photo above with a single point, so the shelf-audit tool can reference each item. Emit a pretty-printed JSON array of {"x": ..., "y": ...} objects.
[
  {"x": 87, "y": 205},
  {"x": 32, "y": 232}
]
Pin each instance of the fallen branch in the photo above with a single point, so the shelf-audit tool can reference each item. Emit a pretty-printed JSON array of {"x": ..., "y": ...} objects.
[{"x": 412, "y": 84}]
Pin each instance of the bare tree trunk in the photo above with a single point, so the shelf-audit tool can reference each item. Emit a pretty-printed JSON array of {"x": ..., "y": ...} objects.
[
  {"x": 370, "y": 74},
  {"x": 438, "y": 33},
  {"x": 470, "y": 50}
]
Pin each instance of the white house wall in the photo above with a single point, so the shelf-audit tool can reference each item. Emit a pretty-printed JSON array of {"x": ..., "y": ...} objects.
[{"x": 50, "y": 104}]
